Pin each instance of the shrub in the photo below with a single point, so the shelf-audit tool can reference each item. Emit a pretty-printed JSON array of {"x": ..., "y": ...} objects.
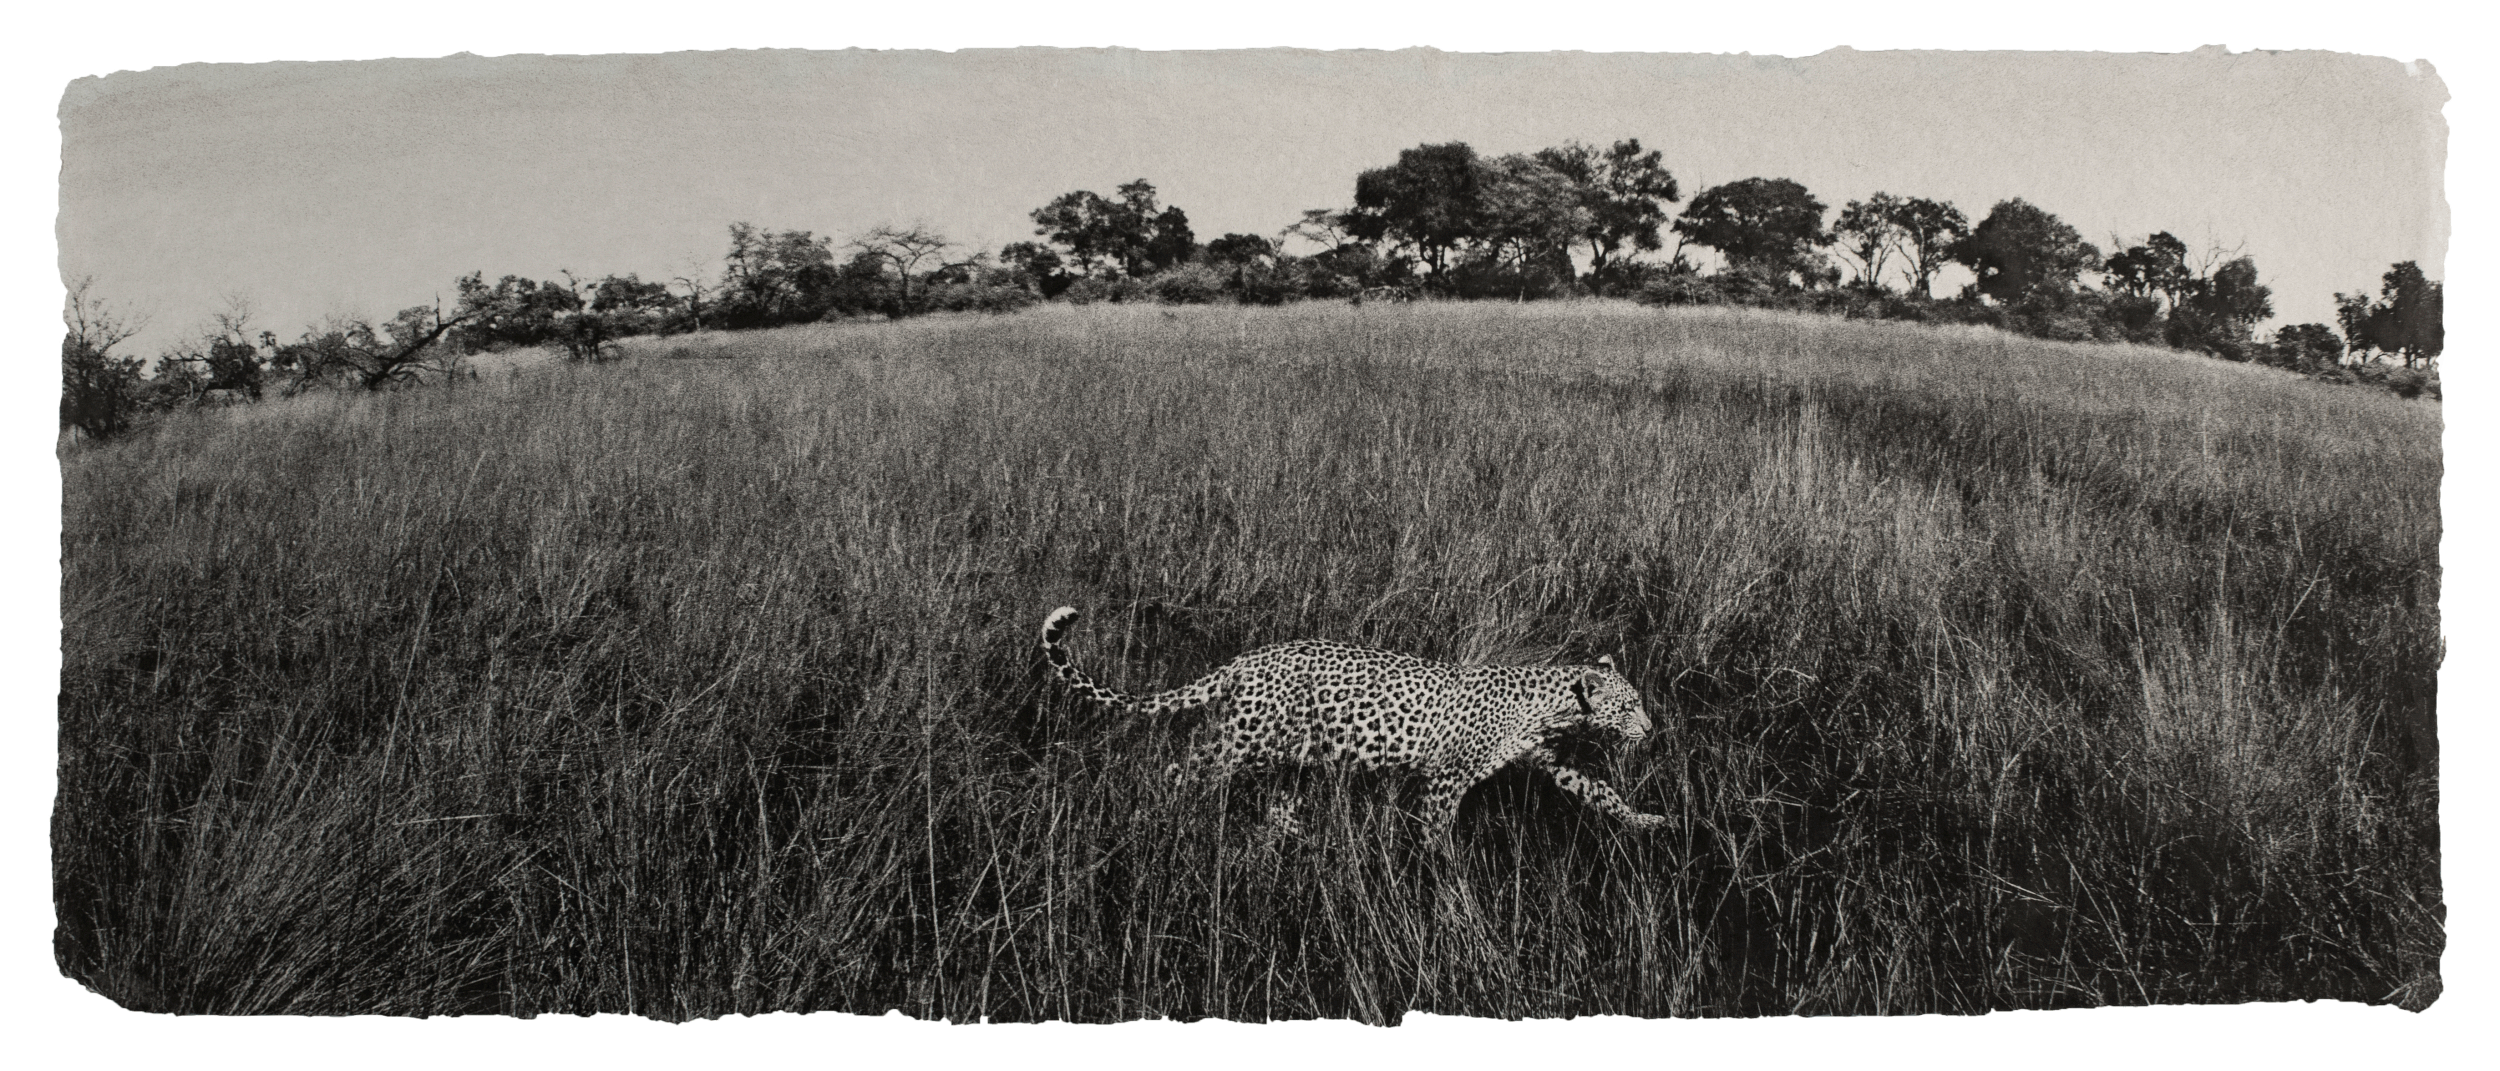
[
  {"x": 2304, "y": 347},
  {"x": 1627, "y": 278},
  {"x": 979, "y": 297},
  {"x": 1855, "y": 302},
  {"x": 1681, "y": 288},
  {"x": 2137, "y": 315},
  {"x": 99, "y": 392},
  {"x": 1476, "y": 280},
  {"x": 1321, "y": 284},
  {"x": 1275, "y": 284},
  {"x": 2413, "y": 383},
  {"x": 1754, "y": 284},
  {"x": 2404, "y": 382},
  {"x": 1120, "y": 290},
  {"x": 1189, "y": 284}
]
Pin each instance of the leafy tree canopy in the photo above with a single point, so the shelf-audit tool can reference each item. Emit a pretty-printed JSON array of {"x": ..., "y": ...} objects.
[
  {"x": 1868, "y": 232},
  {"x": 2406, "y": 320},
  {"x": 1240, "y": 249},
  {"x": 1765, "y": 224},
  {"x": 2020, "y": 251},
  {"x": 2306, "y": 347},
  {"x": 1427, "y": 201},
  {"x": 1132, "y": 236},
  {"x": 1924, "y": 233},
  {"x": 1623, "y": 193},
  {"x": 2159, "y": 266}
]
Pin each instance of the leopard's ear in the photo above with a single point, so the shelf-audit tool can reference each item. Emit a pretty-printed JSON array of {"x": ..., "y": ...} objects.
[{"x": 1607, "y": 661}]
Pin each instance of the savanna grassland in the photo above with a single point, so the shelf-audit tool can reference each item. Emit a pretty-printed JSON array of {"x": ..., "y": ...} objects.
[{"x": 1988, "y": 672}]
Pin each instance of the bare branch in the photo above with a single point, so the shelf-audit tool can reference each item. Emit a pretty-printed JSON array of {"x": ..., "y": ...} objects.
[{"x": 93, "y": 322}]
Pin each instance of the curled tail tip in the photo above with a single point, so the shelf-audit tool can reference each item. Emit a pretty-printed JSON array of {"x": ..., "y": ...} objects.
[{"x": 1057, "y": 623}]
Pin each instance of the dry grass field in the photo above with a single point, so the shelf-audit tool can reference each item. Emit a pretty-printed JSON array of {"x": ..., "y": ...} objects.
[{"x": 1988, "y": 673}]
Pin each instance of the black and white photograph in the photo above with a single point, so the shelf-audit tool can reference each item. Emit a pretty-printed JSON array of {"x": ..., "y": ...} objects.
[{"x": 1261, "y": 535}]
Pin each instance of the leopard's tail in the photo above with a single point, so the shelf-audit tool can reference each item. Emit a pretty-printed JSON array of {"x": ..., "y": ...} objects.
[{"x": 1189, "y": 696}]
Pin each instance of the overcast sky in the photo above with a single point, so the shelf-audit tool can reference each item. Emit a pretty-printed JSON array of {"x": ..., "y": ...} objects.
[{"x": 364, "y": 187}]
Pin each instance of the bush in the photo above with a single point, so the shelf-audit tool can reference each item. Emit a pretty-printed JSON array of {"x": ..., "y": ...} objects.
[
  {"x": 2304, "y": 347},
  {"x": 1627, "y": 278},
  {"x": 1320, "y": 284},
  {"x": 1190, "y": 284},
  {"x": 1856, "y": 302},
  {"x": 99, "y": 392},
  {"x": 2061, "y": 316},
  {"x": 1755, "y": 284},
  {"x": 2135, "y": 313},
  {"x": 979, "y": 297},
  {"x": 1118, "y": 290},
  {"x": 1273, "y": 284},
  {"x": 1351, "y": 269},
  {"x": 1478, "y": 280},
  {"x": 2402, "y": 381},
  {"x": 2413, "y": 382},
  {"x": 1681, "y": 288}
]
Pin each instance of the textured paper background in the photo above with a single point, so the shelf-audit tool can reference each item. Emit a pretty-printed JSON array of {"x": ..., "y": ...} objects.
[{"x": 60, "y": 1023}]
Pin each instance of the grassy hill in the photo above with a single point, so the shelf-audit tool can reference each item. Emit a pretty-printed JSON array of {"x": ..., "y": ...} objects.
[{"x": 1989, "y": 673}]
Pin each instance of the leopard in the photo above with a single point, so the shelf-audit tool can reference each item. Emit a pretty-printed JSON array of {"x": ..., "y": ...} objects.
[{"x": 1314, "y": 702}]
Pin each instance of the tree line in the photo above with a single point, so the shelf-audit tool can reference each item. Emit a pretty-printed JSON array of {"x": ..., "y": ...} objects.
[{"x": 1442, "y": 221}]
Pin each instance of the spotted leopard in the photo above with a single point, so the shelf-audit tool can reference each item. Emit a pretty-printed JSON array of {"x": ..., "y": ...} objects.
[{"x": 1309, "y": 702}]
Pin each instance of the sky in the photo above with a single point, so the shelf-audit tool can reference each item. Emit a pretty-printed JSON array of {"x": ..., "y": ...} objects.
[{"x": 320, "y": 188}]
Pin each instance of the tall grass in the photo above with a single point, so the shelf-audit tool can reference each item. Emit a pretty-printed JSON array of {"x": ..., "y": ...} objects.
[{"x": 1990, "y": 673}]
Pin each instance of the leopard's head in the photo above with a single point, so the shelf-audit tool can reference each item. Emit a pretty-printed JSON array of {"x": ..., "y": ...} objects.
[{"x": 1609, "y": 704}]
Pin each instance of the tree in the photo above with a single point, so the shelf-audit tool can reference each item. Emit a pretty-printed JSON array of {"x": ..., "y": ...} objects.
[
  {"x": 1323, "y": 227},
  {"x": 693, "y": 283},
  {"x": 1621, "y": 192},
  {"x": 2405, "y": 321},
  {"x": 512, "y": 312},
  {"x": 598, "y": 313},
  {"x": 1131, "y": 236},
  {"x": 1527, "y": 217},
  {"x": 1867, "y": 233},
  {"x": 2020, "y": 251},
  {"x": 1346, "y": 264},
  {"x": 222, "y": 357},
  {"x": 903, "y": 249},
  {"x": 1080, "y": 222},
  {"x": 1035, "y": 267},
  {"x": 1164, "y": 240},
  {"x": 2305, "y": 347},
  {"x": 1428, "y": 202},
  {"x": 2159, "y": 266},
  {"x": 775, "y": 278},
  {"x": 1240, "y": 249},
  {"x": 99, "y": 390},
  {"x": 2217, "y": 311},
  {"x": 371, "y": 357},
  {"x": 1924, "y": 233},
  {"x": 629, "y": 294},
  {"x": 2232, "y": 294},
  {"x": 1240, "y": 253},
  {"x": 1765, "y": 226}
]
